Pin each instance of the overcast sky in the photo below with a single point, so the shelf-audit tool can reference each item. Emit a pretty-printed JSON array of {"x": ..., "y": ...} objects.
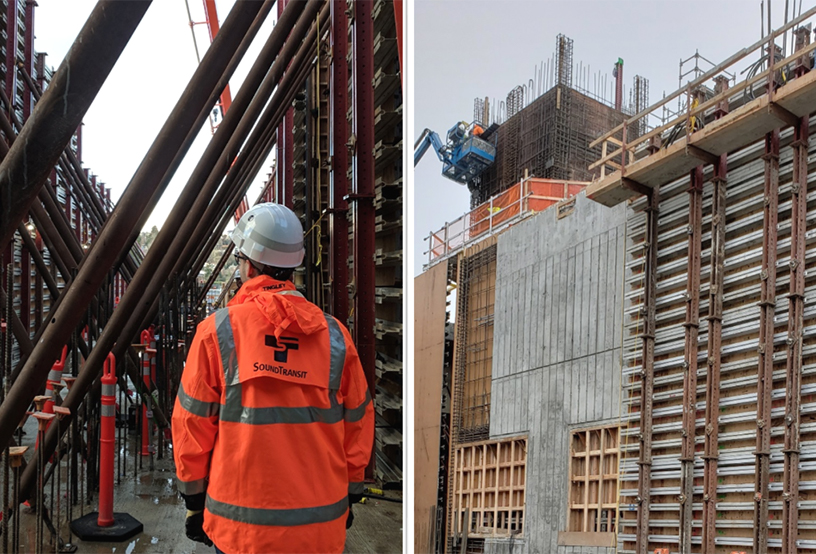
[
  {"x": 469, "y": 49},
  {"x": 142, "y": 89}
]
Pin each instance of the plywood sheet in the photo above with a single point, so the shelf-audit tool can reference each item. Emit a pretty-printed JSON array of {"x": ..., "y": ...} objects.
[{"x": 430, "y": 292}]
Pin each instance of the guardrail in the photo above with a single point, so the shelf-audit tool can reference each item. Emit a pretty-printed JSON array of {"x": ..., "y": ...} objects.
[{"x": 526, "y": 198}]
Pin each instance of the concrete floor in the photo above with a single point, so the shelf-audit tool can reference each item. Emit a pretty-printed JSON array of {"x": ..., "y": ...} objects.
[{"x": 151, "y": 498}]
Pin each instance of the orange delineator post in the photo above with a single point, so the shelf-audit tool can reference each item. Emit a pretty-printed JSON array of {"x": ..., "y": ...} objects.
[
  {"x": 147, "y": 413},
  {"x": 107, "y": 437},
  {"x": 54, "y": 376}
]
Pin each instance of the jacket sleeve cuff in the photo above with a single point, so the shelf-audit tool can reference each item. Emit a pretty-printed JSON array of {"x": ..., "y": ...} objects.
[{"x": 195, "y": 502}]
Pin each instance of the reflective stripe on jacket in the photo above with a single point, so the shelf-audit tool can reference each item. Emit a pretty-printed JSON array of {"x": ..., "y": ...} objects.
[{"x": 274, "y": 421}]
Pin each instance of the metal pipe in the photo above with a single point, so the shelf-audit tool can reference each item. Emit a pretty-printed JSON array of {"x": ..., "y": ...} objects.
[
  {"x": 286, "y": 86},
  {"x": 57, "y": 116},
  {"x": 246, "y": 109},
  {"x": 262, "y": 141},
  {"x": 151, "y": 177}
]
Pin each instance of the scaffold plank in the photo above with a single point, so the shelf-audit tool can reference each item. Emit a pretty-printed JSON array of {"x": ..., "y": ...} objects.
[{"x": 743, "y": 126}]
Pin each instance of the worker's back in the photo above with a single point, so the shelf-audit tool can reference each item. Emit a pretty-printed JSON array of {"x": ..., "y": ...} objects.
[{"x": 279, "y": 470}]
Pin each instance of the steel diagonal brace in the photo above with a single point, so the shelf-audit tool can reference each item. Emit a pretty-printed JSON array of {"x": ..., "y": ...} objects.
[{"x": 150, "y": 178}]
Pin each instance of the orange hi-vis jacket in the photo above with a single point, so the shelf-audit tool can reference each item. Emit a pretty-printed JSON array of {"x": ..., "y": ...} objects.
[{"x": 274, "y": 421}]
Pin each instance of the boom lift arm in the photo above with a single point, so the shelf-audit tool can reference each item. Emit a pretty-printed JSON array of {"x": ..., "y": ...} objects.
[
  {"x": 464, "y": 156},
  {"x": 427, "y": 139}
]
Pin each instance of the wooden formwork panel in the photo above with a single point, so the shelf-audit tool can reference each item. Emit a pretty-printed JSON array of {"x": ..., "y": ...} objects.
[
  {"x": 489, "y": 486},
  {"x": 738, "y": 423},
  {"x": 593, "y": 484}
]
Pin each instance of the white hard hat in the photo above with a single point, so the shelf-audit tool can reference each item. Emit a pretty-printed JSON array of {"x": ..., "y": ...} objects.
[{"x": 270, "y": 234}]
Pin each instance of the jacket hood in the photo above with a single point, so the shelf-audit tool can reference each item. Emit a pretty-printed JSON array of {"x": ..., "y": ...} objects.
[{"x": 282, "y": 305}]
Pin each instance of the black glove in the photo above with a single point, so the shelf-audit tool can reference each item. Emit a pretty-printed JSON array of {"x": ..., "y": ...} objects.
[
  {"x": 353, "y": 499},
  {"x": 194, "y": 527},
  {"x": 350, "y": 518}
]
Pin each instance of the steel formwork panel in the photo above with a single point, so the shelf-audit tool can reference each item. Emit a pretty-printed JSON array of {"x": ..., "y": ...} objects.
[{"x": 737, "y": 417}]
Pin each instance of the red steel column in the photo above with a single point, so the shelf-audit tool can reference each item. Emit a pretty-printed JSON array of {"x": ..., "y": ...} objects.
[
  {"x": 793, "y": 393},
  {"x": 363, "y": 65},
  {"x": 29, "y": 56},
  {"x": 692, "y": 326},
  {"x": 647, "y": 375},
  {"x": 285, "y": 149},
  {"x": 767, "y": 306},
  {"x": 11, "y": 54},
  {"x": 338, "y": 258},
  {"x": 213, "y": 27},
  {"x": 713, "y": 352}
]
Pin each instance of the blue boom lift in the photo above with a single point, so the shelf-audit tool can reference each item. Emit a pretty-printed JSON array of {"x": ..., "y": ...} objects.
[{"x": 465, "y": 154}]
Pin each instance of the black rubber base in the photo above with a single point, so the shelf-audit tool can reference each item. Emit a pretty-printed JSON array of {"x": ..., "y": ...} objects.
[{"x": 124, "y": 527}]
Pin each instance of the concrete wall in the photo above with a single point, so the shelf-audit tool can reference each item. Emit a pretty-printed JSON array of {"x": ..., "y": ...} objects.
[{"x": 557, "y": 350}]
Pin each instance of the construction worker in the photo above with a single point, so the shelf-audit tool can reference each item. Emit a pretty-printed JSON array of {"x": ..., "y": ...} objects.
[{"x": 273, "y": 424}]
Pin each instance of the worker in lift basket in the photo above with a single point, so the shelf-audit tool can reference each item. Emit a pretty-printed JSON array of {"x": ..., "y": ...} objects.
[{"x": 273, "y": 425}]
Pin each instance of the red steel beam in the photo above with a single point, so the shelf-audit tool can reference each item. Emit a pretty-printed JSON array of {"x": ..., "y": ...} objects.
[
  {"x": 692, "y": 328},
  {"x": 647, "y": 375},
  {"x": 767, "y": 306},
  {"x": 793, "y": 393},
  {"x": 338, "y": 257},
  {"x": 363, "y": 70}
]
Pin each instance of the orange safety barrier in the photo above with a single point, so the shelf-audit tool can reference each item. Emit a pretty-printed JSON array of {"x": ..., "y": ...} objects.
[{"x": 531, "y": 195}]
